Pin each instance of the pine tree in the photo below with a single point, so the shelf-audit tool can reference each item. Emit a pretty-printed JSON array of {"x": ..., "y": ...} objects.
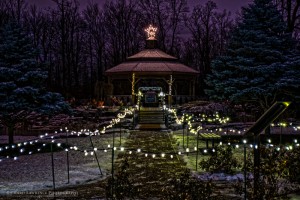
[
  {"x": 256, "y": 59},
  {"x": 22, "y": 80}
]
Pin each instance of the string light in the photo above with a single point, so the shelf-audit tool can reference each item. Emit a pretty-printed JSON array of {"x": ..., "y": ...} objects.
[{"x": 185, "y": 117}]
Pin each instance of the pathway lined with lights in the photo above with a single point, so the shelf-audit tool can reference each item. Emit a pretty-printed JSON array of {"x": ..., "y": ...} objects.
[{"x": 154, "y": 163}]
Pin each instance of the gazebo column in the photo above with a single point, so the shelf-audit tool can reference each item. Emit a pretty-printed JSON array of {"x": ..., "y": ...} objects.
[
  {"x": 170, "y": 82},
  {"x": 190, "y": 88},
  {"x": 132, "y": 89},
  {"x": 193, "y": 85}
]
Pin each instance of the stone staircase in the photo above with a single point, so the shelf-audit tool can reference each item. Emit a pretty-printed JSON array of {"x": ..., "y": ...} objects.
[{"x": 151, "y": 118}]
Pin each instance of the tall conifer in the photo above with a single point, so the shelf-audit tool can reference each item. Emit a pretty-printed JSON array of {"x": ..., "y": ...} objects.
[
  {"x": 256, "y": 59},
  {"x": 22, "y": 80}
]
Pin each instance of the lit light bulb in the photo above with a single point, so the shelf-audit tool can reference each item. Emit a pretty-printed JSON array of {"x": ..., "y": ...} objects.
[{"x": 278, "y": 148}]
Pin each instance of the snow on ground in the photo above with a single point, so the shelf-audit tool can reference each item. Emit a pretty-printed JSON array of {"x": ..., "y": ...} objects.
[{"x": 34, "y": 172}]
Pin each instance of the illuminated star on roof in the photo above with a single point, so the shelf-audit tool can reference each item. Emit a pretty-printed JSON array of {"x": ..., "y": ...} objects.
[{"x": 151, "y": 31}]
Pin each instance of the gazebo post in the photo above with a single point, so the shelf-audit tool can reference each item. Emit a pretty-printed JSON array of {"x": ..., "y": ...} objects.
[
  {"x": 132, "y": 89},
  {"x": 170, "y": 82}
]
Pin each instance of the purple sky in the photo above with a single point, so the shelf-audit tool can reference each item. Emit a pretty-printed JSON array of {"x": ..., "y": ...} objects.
[{"x": 232, "y": 5}]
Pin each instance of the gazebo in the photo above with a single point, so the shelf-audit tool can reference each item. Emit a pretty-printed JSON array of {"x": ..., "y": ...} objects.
[{"x": 152, "y": 74}]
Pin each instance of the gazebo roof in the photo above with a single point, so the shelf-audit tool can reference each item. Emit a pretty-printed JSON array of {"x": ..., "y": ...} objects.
[
  {"x": 151, "y": 61},
  {"x": 149, "y": 54}
]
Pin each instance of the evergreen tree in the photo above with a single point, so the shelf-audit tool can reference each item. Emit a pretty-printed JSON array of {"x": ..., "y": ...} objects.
[
  {"x": 22, "y": 80},
  {"x": 256, "y": 60}
]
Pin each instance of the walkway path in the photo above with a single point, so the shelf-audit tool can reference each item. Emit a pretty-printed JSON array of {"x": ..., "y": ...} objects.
[{"x": 151, "y": 174}]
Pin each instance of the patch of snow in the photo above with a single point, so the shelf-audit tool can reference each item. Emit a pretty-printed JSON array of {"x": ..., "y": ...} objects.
[{"x": 222, "y": 177}]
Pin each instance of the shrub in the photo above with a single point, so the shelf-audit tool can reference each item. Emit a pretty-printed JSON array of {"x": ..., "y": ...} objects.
[
  {"x": 222, "y": 160},
  {"x": 188, "y": 188}
]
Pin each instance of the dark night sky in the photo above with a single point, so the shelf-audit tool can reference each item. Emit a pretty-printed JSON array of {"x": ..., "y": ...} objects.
[{"x": 232, "y": 5}]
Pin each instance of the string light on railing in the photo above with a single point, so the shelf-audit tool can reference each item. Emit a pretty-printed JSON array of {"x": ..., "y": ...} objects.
[{"x": 278, "y": 148}]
